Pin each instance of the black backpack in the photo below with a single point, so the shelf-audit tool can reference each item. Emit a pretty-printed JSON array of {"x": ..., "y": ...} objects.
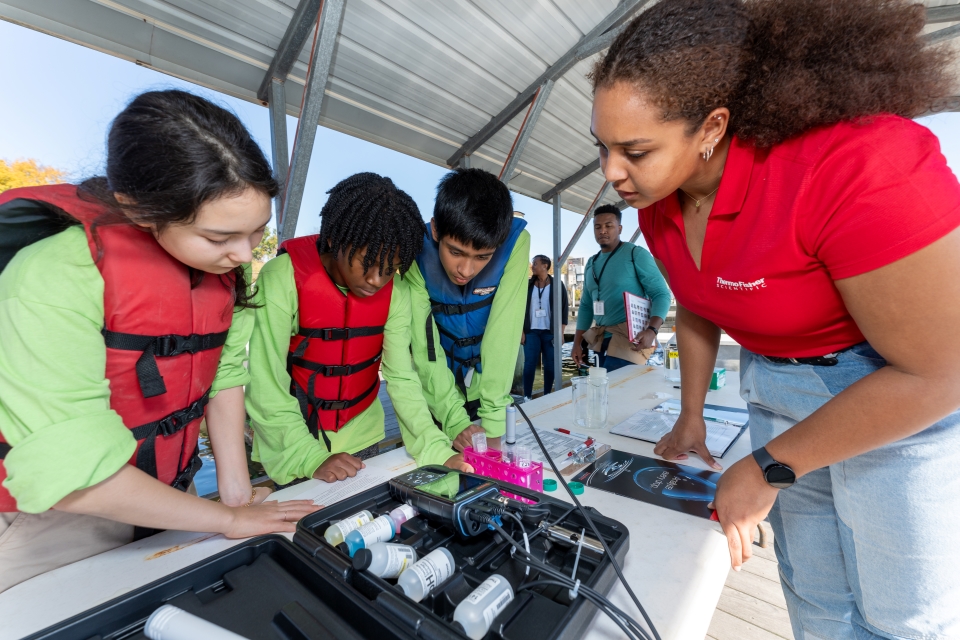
[{"x": 23, "y": 222}]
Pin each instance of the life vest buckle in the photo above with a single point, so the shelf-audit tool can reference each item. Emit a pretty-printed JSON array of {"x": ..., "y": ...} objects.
[
  {"x": 173, "y": 345},
  {"x": 330, "y": 370},
  {"x": 169, "y": 425},
  {"x": 334, "y": 405},
  {"x": 334, "y": 334}
]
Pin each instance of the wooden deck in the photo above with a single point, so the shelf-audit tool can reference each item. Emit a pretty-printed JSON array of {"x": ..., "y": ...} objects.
[{"x": 752, "y": 606}]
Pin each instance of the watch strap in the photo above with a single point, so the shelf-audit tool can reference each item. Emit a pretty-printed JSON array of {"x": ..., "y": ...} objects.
[{"x": 764, "y": 459}]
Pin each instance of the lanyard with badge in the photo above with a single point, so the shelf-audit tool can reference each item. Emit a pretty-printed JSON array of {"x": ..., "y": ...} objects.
[
  {"x": 598, "y": 306},
  {"x": 540, "y": 312}
]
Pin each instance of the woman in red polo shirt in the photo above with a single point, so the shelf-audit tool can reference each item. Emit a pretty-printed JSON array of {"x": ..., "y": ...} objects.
[{"x": 791, "y": 203}]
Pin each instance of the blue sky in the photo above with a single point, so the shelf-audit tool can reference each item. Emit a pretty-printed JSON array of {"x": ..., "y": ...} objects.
[{"x": 60, "y": 97}]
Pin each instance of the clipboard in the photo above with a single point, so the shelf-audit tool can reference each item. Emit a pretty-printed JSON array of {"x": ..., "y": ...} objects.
[{"x": 638, "y": 314}]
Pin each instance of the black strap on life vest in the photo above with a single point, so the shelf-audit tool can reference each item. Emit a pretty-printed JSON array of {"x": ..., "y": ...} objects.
[
  {"x": 339, "y": 333},
  {"x": 153, "y": 347},
  {"x": 451, "y": 310},
  {"x": 4, "y": 450},
  {"x": 166, "y": 426},
  {"x": 459, "y": 309},
  {"x": 334, "y": 370},
  {"x": 308, "y": 399}
]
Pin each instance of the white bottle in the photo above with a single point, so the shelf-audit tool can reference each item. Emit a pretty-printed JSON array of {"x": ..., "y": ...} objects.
[
  {"x": 597, "y": 398},
  {"x": 384, "y": 559},
  {"x": 173, "y": 623},
  {"x": 401, "y": 514},
  {"x": 379, "y": 530},
  {"x": 424, "y": 576},
  {"x": 477, "y": 611},
  {"x": 671, "y": 360},
  {"x": 337, "y": 531}
]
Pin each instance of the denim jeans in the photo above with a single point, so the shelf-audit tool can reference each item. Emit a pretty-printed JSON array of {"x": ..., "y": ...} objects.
[
  {"x": 868, "y": 547},
  {"x": 537, "y": 343},
  {"x": 609, "y": 362}
]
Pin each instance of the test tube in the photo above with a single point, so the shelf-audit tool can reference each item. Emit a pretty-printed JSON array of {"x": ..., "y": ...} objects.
[
  {"x": 479, "y": 442},
  {"x": 522, "y": 457}
]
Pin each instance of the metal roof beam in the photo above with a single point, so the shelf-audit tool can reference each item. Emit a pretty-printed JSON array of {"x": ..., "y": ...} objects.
[
  {"x": 636, "y": 234},
  {"x": 597, "y": 39},
  {"x": 950, "y": 13},
  {"x": 587, "y": 217},
  {"x": 568, "y": 182},
  {"x": 941, "y": 35},
  {"x": 291, "y": 45},
  {"x": 321, "y": 60},
  {"x": 526, "y": 131},
  {"x": 277, "y": 104}
]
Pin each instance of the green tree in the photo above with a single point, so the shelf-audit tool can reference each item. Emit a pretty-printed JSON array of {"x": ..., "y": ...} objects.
[
  {"x": 27, "y": 173},
  {"x": 268, "y": 246}
]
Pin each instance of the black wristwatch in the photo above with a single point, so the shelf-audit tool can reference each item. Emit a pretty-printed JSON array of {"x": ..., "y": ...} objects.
[{"x": 777, "y": 475}]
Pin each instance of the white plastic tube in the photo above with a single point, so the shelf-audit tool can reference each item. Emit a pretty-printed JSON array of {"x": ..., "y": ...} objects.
[{"x": 172, "y": 623}]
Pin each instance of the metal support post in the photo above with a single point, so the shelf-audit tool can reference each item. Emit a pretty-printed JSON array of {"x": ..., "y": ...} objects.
[
  {"x": 278, "y": 141},
  {"x": 636, "y": 234},
  {"x": 556, "y": 312},
  {"x": 526, "y": 131},
  {"x": 587, "y": 217},
  {"x": 321, "y": 59},
  {"x": 465, "y": 162}
]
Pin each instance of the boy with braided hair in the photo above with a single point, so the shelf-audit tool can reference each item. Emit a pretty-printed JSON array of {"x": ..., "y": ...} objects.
[{"x": 333, "y": 309}]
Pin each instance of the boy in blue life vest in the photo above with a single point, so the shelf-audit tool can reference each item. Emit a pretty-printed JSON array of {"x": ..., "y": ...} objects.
[{"x": 468, "y": 297}]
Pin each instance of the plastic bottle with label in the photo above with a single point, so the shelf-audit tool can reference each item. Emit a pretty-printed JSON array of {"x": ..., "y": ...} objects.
[
  {"x": 401, "y": 514},
  {"x": 671, "y": 360},
  {"x": 424, "y": 576},
  {"x": 337, "y": 531},
  {"x": 384, "y": 559},
  {"x": 379, "y": 530},
  {"x": 477, "y": 611}
]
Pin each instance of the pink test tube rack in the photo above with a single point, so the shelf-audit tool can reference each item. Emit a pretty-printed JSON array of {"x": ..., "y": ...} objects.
[{"x": 489, "y": 465}]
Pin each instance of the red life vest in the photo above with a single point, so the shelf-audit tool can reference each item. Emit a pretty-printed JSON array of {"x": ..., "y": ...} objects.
[
  {"x": 163, "y": 338},
  {"x": 334, "y": 356}
]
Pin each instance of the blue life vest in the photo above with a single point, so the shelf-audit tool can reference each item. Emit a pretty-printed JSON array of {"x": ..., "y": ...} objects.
[{"x": 461, "y": 313}]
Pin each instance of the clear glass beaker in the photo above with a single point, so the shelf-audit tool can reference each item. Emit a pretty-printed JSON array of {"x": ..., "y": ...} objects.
[{"x": 579, "y": 386}]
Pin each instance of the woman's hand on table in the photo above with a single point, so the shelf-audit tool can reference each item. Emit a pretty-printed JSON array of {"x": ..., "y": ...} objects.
[
  {"x": 743, "y": 500},
  {"x": 688, "y": 434},
  {"x": 269, "y": 517}
]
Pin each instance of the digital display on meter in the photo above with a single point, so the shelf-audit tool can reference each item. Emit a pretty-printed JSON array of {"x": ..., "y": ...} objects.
[{"x": 440, "y": 492}]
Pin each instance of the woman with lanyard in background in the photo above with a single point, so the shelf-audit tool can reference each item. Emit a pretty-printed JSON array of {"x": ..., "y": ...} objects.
[
  {"x": 792, "y": 204},
  {"x": 122, "y": 327},
  {"x": 537, "y": 338}
]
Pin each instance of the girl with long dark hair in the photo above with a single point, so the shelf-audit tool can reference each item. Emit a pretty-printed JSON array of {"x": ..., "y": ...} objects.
[
  {"x": 791, "y": 202},
  {"x": 122, "y": 328}
]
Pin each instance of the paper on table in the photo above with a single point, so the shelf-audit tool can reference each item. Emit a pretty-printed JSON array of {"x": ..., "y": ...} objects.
[
  {"x": 711, "y": 412},
  {"x": 558, "y": 445},
  {"x": 327, "y": 493},
  {"x": 653, "y": 425}
]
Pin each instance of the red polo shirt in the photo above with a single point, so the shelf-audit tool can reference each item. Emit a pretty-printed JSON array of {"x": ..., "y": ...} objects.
[{"x": 787, "y": 222}]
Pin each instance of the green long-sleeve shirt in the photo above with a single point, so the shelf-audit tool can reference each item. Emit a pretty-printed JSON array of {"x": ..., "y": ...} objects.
[
  {"x": 54, "y": 398},
  {"x": 498, "y": 351},
  {"x": 282, "y": 442},
  {"x": 632, "y": 269}
]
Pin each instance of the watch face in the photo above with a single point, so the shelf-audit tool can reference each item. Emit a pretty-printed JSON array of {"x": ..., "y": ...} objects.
[{"x": 780, "y": 476}]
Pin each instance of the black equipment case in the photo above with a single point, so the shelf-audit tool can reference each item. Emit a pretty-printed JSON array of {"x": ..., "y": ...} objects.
[{"x": 271, "y": 589}]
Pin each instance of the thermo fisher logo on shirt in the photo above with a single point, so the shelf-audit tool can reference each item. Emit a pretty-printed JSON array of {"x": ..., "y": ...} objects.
[{"x": 740, "y": 285}]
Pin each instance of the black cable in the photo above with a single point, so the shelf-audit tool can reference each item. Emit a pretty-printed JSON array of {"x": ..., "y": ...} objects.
[
  {"x": 593, "y": 526},
  {"x": 620, "y": 623},
  {"x": 566, "y": 581}
]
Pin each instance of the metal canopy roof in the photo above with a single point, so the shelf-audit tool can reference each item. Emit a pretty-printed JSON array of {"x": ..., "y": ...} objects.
[{"x": 435, "y": 79}]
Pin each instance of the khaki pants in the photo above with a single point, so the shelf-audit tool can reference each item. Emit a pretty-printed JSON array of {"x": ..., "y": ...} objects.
[{"x": 34, "y": 543}]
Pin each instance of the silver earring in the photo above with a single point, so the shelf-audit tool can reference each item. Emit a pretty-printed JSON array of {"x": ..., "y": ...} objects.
[{"x": 707, "y": 154}]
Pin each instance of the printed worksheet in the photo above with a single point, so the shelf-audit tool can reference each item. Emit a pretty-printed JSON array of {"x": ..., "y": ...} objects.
[
  {"x": 327, "y": 493},
  {"x": 650, "y": 426},
  {"x": 638, "y": 314}
]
